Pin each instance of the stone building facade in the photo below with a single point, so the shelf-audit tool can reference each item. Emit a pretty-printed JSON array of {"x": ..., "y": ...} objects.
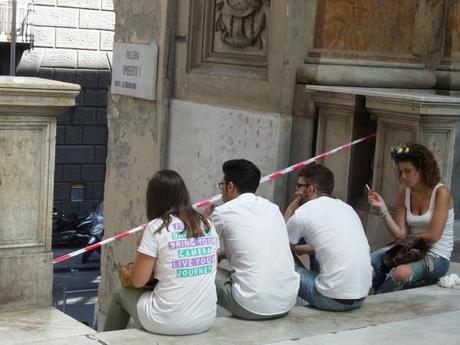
[
  {"x": 275, "y": 82},
  {"x": 73, "y": 43}
]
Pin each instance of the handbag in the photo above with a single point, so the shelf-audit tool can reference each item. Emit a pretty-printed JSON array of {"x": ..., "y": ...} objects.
[
  {"x": 405, "y": 250},
  {"x": 124, "y": 272}
]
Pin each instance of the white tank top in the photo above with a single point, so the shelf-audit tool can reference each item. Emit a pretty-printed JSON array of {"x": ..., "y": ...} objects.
[{"x": 420, "y": 223}]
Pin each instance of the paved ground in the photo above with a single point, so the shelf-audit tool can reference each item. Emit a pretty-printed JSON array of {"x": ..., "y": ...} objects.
[
  {"x": 456, "y": 252},
  {"x": 75, "y": 286}
]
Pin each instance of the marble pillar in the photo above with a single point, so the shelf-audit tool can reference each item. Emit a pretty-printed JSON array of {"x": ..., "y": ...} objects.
[
  {"x": 341, "y": 119},
  {"x": 28, "y": 111}
]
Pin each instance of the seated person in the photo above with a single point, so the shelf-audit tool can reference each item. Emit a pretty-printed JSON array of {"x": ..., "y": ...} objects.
[
  {"x": 179, "y": 247},
  {"x": 302, "y": 247},
  {"x": 334, "y": 231},
  {"x": 424, "y": 209},
  {"x": 263, "y": 283}
]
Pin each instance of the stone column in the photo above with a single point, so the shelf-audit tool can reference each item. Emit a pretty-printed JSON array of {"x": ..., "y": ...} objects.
[
  {"x": 28, "y": 111},
  {"x": 341, "y": 119}
]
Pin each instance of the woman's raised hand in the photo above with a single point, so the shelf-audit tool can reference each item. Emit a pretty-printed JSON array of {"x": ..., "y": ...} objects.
[{"x": 375, "y": 199}]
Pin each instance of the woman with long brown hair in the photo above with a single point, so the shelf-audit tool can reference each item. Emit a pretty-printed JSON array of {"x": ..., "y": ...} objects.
[
  {"x": 178, "y": 248},
  {"x": 424, "y": 210}
]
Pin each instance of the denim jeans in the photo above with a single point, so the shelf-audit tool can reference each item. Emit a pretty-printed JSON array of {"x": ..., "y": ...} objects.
[
  {"x": 425, "y": 271},
  {"x": 308, "y": 292}
]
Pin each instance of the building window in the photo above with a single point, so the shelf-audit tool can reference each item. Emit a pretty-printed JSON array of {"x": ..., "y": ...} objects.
[{"x": 77, "y": 192}]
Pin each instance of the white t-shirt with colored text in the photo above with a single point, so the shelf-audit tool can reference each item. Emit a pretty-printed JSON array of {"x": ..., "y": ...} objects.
[
  {"x": 254, "y": 237},
  {"x": 184, "y": 298}
]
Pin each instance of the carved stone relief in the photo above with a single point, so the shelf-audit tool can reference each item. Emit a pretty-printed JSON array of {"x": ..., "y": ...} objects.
[
  {"x": 229, "y": 32},
  {"x": 241, "y": 22}
]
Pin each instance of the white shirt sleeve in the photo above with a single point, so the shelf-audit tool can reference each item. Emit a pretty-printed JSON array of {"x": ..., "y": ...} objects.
[
  {"x": 149, "y": 244},
  {"x": 218, "y": 221},
  {"x": 294, "y": 228},
  {"x": 212, "y": 229}
]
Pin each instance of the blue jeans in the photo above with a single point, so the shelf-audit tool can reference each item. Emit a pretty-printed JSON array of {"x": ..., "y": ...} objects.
[
  {"x": 425, "y": 271},
  {"x": 308, "y": 292}
]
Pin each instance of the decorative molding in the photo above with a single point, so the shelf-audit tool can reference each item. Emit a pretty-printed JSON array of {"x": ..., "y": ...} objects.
[{"x": 365, "y": 74}]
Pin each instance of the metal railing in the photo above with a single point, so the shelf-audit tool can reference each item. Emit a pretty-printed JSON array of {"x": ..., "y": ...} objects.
[{"x": 24, "y": 23}]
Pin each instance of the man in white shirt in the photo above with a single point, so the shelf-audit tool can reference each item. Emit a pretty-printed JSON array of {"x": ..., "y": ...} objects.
[
  {"x": 335, "y": 234},
  {"x": 263, "y": 283}
]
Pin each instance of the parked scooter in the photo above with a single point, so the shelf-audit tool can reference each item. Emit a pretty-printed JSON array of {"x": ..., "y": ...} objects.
[
  {"x": 70, "y": 230},
  {"x": 96, "y": 231}
]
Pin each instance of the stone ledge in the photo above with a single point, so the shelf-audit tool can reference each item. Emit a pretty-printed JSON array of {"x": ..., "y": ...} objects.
[
  {"x": 24, "y": 95},
  {"x": 400, "y": 310},
  {"x": 388, "y": 318},
  {"x": 437, "y": 329},
  {"x": 40, "y": 325},
  {"x": 350, "y": 73},
  {"x": 379, "y": 318}
]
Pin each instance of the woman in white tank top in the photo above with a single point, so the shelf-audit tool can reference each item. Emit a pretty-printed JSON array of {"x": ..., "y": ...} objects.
[{"x": 424, "y": 209}]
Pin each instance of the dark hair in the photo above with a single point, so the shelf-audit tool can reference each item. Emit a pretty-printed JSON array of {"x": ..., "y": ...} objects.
[
  {"x": 167, "y": 195},
  {"x": 319, "y": 175},
  {"x": 422, "y": 159},
  {"x": 243, "y": 173}
]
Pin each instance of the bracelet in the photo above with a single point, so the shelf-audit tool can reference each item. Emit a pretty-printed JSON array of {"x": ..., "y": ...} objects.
[{"x": 384, "y": 213}]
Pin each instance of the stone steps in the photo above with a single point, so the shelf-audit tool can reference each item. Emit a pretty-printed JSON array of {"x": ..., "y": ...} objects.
[{"x": 425, "y": 315}]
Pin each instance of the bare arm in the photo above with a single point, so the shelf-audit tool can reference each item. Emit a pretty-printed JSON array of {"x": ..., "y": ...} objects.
[
  {"x": 301, "y": 249},
  {"x": 294, "y": 205},
  {"x": 439, "y": 218},
  {"x": 397, "y": 226},
  {"x": 142, "y": 269}
]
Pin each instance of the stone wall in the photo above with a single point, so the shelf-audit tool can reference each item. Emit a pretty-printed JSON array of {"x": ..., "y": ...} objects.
[
  {"x": 197, "y": 152},
  {"x": 137, "y": 136},
  {"x": 73, "y": 43},
  {"x": 240, "y": 80}
]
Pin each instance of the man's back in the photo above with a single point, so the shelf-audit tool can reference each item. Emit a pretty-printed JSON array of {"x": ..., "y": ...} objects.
[
  {"x": 335, "y": 231},
  {"x": 255, "y": 241}
]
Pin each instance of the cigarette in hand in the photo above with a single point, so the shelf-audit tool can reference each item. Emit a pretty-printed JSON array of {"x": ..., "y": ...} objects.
[{"x": 368, "y": 188}]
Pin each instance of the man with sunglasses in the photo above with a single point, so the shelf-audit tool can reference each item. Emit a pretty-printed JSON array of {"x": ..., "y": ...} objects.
[
  {"x": 262, "y": 283},
  {"x": 335, "y": 234}
]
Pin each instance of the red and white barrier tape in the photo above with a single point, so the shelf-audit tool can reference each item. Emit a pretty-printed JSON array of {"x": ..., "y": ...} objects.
[{"x": 271, "y": 177}]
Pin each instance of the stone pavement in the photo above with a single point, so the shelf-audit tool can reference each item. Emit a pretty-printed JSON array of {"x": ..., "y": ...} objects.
[{"x": 427, "y": 315}]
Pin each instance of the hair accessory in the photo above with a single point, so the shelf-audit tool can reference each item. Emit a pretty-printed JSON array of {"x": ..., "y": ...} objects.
[{"x": 398, "y": 150}]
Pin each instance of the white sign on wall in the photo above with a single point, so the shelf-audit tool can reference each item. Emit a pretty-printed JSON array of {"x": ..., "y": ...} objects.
[{"x": 134, "y": 71}]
